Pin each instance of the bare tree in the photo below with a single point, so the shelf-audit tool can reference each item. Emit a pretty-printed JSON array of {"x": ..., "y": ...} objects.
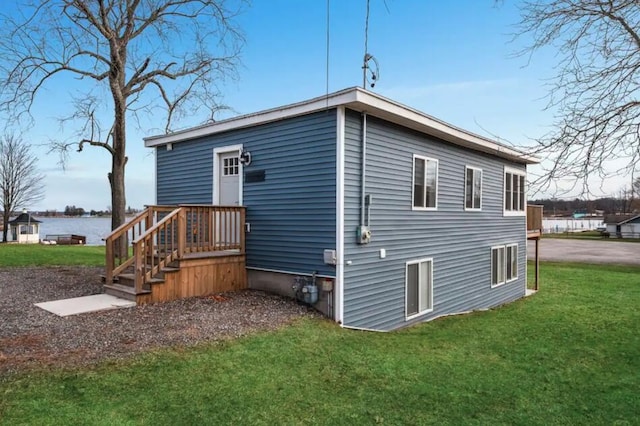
[
  {"x": 129, "y": 57},
  {"x": 20, "y": 182},
  {"x": 595, "y": 95}
]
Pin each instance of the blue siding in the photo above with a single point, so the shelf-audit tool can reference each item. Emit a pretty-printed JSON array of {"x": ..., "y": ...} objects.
[
  {"x": 292, "y": 213},
  {"x": 459, "y": 241}
]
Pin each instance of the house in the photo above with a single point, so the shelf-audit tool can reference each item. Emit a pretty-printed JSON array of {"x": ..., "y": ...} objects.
[
  {"x": 24, "y": 229},
  {"x": 397, "y": 216},
  {"x": 623, "y": 225}
]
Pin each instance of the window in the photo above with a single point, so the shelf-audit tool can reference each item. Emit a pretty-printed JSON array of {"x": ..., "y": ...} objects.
[
  {"x": 425, "y": 183},
  {"x": 512, "y": 262},
  {"x": 473, "y": 189},
  {"x": 230, "y": 166},
  {"x": 504, "y": 264},
  {"x": 514, "y": 189},
  {"x": 419, "y": 287},
  {"x": 497, "y": 266}
]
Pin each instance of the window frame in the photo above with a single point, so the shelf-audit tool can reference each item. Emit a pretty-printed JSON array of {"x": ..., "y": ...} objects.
[
  {"x": 230, "y": 166},
  {"x": 505, "y": 276},
  {"x": 429, "y": 284},
  {"x": 506, "y": 258},
  {"x": 521, "y": 195},
  {"x": 466, "y": 171},
  {"x": 424, "y": 183},
  {"x": 498, "y": 282}
]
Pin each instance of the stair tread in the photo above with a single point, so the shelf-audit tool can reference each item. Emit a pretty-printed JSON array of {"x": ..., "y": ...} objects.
[
  {"x": 133, "y": 277},
  {"x": 126, "y": 289}
]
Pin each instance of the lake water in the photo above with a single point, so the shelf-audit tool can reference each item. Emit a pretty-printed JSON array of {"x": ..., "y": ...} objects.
[{"x": 94, "y": 228}]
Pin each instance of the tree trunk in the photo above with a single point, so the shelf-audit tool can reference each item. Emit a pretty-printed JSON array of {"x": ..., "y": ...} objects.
[
  {"x": 119, "y": 160},
  {"x": 6, "y": 215}
]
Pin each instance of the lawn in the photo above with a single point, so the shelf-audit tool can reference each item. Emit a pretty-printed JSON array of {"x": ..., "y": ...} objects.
[
  {"x": 46, "y": 255},
  {"x": 567, "y": 355}
]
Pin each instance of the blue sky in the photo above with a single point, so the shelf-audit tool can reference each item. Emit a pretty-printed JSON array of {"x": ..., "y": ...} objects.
[{"x": 453, "y": 60}]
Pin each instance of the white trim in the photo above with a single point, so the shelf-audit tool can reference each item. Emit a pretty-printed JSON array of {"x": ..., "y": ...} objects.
[
  {"x": 155, "y": 177},
  {"x": 413, "y": 177},
  {"x": 340, "y": 154},
  {"x": 372, "y": 330},
  {"x": 475, "y": 169},
  {"x": 429, "y": 284},
  {"x": 306, "y": 274},
  {"x": 358, "y": 100},
  {"x": 517, "y": 172},
  {"x": 216, "y": 183}
]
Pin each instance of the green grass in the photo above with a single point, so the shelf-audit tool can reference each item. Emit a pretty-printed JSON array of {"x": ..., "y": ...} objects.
[
  {"x": 45, "y": 255},
  {"x": 568, "y": 355}
]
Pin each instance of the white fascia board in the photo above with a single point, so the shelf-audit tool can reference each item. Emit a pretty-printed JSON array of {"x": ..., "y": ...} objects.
[
  {"x": 387, "y": 109},
  {"x": 359, "y": 100}
]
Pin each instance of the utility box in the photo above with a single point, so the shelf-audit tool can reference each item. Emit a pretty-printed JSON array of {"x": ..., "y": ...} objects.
[
  {"x": 330, "y": 257},
  {"x": 363, "y": 234}
]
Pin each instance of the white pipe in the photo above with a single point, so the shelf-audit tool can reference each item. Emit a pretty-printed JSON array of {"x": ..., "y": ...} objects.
[{"x": 363, "y": 168}]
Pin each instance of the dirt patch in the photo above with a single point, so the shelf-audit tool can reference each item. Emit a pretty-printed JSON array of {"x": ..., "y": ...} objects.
[{"x": 33, "y": 338}]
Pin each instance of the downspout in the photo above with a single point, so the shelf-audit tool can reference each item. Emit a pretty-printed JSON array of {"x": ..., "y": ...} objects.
[{"x": 363, "y": 169}]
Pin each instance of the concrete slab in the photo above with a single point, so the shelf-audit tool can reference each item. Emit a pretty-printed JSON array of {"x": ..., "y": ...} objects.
[{"x": 81, "y": 305}]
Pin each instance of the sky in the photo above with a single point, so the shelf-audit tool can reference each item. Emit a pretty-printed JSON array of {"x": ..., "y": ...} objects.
[{"x": 453, "y": 60}]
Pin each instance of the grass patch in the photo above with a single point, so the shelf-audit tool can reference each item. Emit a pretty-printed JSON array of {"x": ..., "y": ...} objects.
[
  {"x": 568, "y": 355},
  {"x": 50, "y": 255}
]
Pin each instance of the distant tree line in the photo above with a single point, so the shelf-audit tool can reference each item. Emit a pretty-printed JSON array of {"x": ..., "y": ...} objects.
[
  {"x": 607, "y": 205},
  {"x": 79, "y": 211},
  {"x": 626, "y": 200}
]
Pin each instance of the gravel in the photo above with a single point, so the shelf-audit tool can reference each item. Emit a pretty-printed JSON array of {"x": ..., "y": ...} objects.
[{"x": 31, "y": 337}]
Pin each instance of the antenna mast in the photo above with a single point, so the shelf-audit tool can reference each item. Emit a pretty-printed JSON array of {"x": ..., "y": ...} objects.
[{"x": 369, "y": 60}]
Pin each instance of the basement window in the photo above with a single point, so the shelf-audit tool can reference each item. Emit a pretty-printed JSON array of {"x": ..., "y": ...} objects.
[
  {"x": 504, "y": 264},
  {"x": 419, "y": 287}
]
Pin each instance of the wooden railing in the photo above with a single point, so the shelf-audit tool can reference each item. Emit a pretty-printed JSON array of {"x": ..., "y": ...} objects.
[
  {"x": 119, "y": 255},
  {"x": 534, "y": 217},
  {"x": 162, "y": 234}
]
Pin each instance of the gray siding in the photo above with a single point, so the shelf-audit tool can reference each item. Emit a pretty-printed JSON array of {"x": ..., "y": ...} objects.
[
  {"x": 292, "y": 213},
  {"x": 459, "y": 241}
]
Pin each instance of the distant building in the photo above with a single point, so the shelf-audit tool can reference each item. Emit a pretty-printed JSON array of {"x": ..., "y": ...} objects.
[
  {"x": 25, "y": 229},
  {"x": 623, "y": 225}
]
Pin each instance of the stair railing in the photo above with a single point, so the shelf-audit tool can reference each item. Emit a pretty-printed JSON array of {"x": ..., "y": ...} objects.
[
  {"x": 119, "y": 255},
  {"x": 158, "y": 247}
]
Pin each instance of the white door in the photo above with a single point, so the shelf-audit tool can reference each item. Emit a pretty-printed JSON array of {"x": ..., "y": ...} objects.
[
  {"x": 229, "y": 179},
  {"x": 228, "y": 192}
]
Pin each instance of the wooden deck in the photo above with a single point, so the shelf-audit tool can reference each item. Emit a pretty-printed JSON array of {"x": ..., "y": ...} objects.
[{"x": 173, "y": 252}]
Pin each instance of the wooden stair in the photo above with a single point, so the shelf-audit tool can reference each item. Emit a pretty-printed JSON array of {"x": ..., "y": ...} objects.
[{"x": 177, "y": 251}]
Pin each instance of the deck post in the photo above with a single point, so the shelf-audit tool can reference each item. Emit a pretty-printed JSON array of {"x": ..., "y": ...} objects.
[
  {"x": 182, "y": 232},
  {"x": 138, "y": 267},
  {"x": 242, "y": 231},
  {"x": 110, "y": 263},
  {"x": 537, "y": 263}
]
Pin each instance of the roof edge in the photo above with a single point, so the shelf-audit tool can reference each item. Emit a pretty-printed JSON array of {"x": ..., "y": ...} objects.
[{"x": 360, "y": 100}]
